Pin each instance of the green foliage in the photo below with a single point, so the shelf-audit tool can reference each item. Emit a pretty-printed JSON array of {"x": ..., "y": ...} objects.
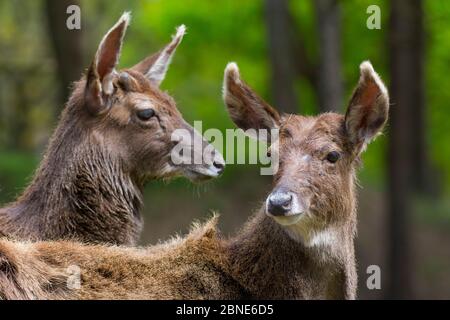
[
  {"x": 15, "y": 170},
  {"x": 217, "y": 32},
  {"x": 438, "y": 84}
]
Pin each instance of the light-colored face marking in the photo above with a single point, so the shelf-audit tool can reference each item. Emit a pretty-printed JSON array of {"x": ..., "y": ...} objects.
[
  {"x": 311, "y": 235},
  {"x": 141, "y": 102}
]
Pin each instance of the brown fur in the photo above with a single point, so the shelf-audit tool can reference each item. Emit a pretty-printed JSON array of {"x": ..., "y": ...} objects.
[
  {"x": 311, "y": 252},
  {"x": 88, "y": 186},
  {"x": 189, "y": 268},
  {"x": 262, "y": 262},
  {"x": 265, "y": 260}
]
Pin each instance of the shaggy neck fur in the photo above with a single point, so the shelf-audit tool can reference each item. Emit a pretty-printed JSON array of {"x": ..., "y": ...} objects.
[
  {"x": 261, "y": 262},
  {"x": 270, "y": 264},
  {"x": 80, "y": 191}
]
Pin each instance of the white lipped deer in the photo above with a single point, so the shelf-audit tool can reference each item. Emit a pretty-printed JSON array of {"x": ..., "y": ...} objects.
[
  {"x": 299, "y": 245},
  {"x": 115, "y": 134}
]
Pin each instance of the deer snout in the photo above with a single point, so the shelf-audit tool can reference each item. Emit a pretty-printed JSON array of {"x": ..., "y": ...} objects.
[
  {"x": 279, "y": 203},
  {"x": 218, "y": 163},
  {"x": 284, "y": 206}
]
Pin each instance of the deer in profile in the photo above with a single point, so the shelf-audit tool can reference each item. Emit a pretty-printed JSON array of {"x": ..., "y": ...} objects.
[
  {"x": 115, "y": 134},
  {"x": 299, "y": 245}
]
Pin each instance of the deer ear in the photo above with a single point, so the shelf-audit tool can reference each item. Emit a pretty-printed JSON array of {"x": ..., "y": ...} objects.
[
  {"x": 155, "y": 66},
  {"x": 102, "y": 70},
  {"x": 246, "y": 108},
  {"x": 367, "y": 112}
]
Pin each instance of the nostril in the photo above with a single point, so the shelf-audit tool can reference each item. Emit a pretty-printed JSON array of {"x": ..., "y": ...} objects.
[
  {"x": 280, "y": 204},
  {"x": 219, "y": 166}
]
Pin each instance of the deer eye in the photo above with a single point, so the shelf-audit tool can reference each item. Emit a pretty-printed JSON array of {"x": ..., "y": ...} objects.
[
  {"x": 145, "y": 114},
  {"x": 333, "y": 156}
]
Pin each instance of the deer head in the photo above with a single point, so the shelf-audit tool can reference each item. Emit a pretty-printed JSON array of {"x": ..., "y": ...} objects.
[
  {"x": 139, "y": 122},
  {"x": 313, "y": 187}
]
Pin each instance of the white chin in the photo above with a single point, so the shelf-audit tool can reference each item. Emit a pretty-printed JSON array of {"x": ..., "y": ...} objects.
[
  {"x": 287, "y": 220},
  {"x": 202, "y": 174}
]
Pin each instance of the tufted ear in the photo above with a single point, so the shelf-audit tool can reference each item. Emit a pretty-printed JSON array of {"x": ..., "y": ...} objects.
[
  {"x": 103, "y": 68},
  {"x": 155, "y": 66},
  {"x": 367, "y": 112},
  {"x": 246, "y": 108}
]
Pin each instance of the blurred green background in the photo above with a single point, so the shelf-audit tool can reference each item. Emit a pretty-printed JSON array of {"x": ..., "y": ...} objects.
[{"x": 301, "y": 56}]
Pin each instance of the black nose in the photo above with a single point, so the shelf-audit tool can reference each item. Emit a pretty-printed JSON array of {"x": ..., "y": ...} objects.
[
  {"x": 279, "y": 203},
  {"x": 219, "y": 166}
]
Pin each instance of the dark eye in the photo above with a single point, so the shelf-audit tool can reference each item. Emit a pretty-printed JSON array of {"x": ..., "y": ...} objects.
[
  {"x": 145, "y": 114},
  {"x": 333, "y": 156}
]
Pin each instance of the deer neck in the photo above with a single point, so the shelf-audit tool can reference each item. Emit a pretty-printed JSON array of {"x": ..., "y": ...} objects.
[
  {"x": 80, "y": 191},
  {"x": 271, "y": 264}
]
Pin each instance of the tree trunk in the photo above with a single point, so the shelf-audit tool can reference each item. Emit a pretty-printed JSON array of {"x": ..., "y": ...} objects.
[
  {"x": 329, "y": 71},
  {"x": 406, "y": 98},
  {"x": 422, "y": 168},
  {"x": 279, "y": 31},
  {"x": 66, "y": 45}
]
